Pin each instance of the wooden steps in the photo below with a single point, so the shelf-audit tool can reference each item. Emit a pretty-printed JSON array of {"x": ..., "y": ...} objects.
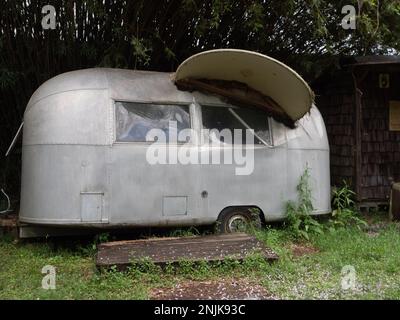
[{"x": 171, "y": 250}]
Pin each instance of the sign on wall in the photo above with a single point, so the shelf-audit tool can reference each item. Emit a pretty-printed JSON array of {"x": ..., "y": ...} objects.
[
  {"x": 394, "y": 115},
  {"x": 384, "y": 80}
]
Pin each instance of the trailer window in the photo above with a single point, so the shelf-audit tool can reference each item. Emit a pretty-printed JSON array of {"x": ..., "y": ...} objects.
[
  {"x": 135, "y": 120},
  {"x": 221, "y": 118}
]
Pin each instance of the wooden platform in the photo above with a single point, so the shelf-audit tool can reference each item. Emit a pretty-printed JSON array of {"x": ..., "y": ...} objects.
[
  {"x": 9, "y": 225},
  {"x": 8, "y": 221},
  {"x": 170, "y": 250}
]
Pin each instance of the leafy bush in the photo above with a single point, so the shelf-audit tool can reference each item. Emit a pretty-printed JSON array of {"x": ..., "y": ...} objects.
[
  {"x": 301, "y": 224},
  {"x": 299, "y": 221},
  {"x": 91, "y": 248},
  {"x": 344, "y": 211}
]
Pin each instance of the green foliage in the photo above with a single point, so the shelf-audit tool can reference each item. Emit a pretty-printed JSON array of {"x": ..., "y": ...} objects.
[
  {"x": 185, "y": 267},
  {"x": 141, "y": 51},
  {"x": 343, "y": 197},
  {"x": 311, "y": 276},
  {"x": 344, "y": 211},
  {"x": 169, "y": 54},
  {"x": 8, "y": 78},
  {"x": 302, "y": 225},
  {"x": 103, "y": 237},
  {"x": 255, "y": 221},
  {"x": 90, "y": 250},
  {"x": 298, "y": 216},
  {"x": 144, "y": 265}
]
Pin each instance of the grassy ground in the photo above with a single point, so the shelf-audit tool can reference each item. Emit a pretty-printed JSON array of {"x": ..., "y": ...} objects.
[{"x": 308, "y": 270}]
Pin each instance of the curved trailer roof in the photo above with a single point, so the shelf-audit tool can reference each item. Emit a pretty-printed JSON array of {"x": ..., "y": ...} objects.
[{"x": 264, "y": 74}]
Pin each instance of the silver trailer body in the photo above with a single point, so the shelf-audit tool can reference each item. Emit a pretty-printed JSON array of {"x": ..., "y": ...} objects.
[{"x": 76, "y": 174}]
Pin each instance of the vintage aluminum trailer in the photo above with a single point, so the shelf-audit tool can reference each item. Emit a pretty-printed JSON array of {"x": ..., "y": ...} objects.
[{"x": 84, "y": 166}]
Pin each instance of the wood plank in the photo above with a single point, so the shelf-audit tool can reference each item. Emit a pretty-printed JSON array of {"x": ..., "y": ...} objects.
[
  {"x": 171, "y": 250},
  {"x": 8, "y": 221}
]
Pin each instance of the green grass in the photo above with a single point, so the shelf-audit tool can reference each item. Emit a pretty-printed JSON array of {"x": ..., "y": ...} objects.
[
  {"x": 375, "y": 258},
  {"x": 318, "y": 276}
]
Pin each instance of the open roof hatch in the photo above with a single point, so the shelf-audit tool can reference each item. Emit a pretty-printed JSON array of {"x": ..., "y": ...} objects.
[{"x": 249, "y": 79}]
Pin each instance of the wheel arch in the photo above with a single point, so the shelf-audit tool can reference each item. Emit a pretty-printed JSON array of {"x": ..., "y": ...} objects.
[{"x": 228, "y": 208}]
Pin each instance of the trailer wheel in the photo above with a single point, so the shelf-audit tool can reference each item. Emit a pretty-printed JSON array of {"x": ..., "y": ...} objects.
[{"x": 237, "y": 219}]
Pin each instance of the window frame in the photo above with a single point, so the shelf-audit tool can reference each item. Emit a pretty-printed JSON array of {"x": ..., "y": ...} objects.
[
  {"x": 223, "y": 144},
  {"x": 192, "y": 114}
]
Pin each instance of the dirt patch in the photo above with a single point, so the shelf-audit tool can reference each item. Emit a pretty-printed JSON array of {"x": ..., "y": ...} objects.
[
  {"x": 222, "y": 289},
  {"x": 372, "y": 234},
  {"x": 299, "y": 249}
]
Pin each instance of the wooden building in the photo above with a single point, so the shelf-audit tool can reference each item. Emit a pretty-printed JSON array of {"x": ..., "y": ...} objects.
[{"x": 360, "y": 103}]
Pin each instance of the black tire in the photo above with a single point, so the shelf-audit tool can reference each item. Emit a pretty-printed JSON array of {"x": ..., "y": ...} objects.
[{"x": 237, "y": 219}]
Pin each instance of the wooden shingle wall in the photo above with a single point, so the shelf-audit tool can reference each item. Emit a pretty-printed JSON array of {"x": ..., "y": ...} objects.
[
  {"x": 380, "y": 146},
  {"x": 335, "y": 100}
]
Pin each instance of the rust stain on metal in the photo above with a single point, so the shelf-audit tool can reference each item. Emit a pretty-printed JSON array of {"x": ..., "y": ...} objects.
[{"x": 170, "y": 250}]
